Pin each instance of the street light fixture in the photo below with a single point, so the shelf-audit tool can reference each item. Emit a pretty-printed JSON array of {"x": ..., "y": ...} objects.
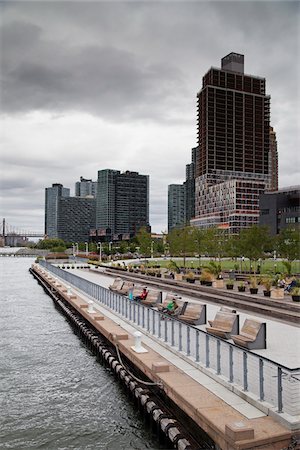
[
  {"x": 109, "y": 249},
  {"x": 152, "y": 244},
  {"x": 99, "y": 246}
]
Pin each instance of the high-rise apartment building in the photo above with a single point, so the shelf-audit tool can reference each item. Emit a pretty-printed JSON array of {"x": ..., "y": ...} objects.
[
  {"x": 273, "y": 162},
  {"x": 232, "y": 157},
  {"x": 52, "y": 197},
  {"x": 189, "y": 186},
  {"x": 68, "y": 218},
  {"x": 122, "y": 203},
  {"x": 176, "y": 206},
  {"x": 85, "y": 187},
  {"x": 76, "y": 216}
]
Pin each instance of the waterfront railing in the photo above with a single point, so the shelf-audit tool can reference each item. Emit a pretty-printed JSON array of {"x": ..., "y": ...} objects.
[{"x": 263, "y": 382}]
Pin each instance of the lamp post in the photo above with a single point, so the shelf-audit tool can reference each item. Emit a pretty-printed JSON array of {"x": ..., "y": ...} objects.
[
  {"x": 152, "y": 243},
  {"x": 100, "y": 250},
  {"x": 242, "y": 260},
  {"x": 77, "y": 249},
  {"x": 138, "y": 251},
  {"x": 73, "y": 250},
  {"x": 86, "y": 248}
]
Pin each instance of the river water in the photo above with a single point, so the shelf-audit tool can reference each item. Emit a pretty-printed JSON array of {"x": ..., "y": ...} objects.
[{"x": 53, "y": 392}]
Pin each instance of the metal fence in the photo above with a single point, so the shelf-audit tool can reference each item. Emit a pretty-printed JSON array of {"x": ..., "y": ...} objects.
[{"x": 269, "y": 381}]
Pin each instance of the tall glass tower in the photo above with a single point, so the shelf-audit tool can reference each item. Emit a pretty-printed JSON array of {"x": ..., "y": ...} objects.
[{"x": 52, "y": 196}]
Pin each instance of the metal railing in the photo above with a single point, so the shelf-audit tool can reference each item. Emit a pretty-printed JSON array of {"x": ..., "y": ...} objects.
[{"x": 248, "y": 372}]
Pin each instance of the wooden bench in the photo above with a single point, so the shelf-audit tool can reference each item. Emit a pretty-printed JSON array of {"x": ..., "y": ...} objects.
[
  {"x": 117, "y": 284},
  {"x": 195, "y": 314},
  {"x": 181, "y": 306},
  {"x": 137, "y": 290},
  {"x": 153, "y": 297},
  {"x": 172, "y": 296},
  {"x": 125, "y": 288},
  {"x": 223, "y": 309},
  {"x": 224, "y": 324},
  {"x": 252, "y": 335}
]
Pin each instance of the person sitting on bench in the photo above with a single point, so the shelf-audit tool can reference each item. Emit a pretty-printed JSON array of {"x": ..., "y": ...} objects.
[
  {"x": 142, "y": 296},
  {"x": 171, "y": 307}
]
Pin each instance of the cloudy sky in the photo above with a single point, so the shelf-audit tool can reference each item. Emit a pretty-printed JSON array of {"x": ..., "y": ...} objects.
[{"x": 95, "y": 85}]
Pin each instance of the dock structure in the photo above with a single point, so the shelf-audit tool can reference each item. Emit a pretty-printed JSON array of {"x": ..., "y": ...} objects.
[{"x": 242, "y": 399}]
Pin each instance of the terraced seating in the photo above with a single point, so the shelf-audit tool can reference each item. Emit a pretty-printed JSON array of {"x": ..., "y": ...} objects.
[
  {"x": 252, "y": 335},
  {"x": 153, "y": 297},
  {"x": 224, "y": 324},
  {"x": 195, "y": 314},
  {"x": 117, "y": 285}
]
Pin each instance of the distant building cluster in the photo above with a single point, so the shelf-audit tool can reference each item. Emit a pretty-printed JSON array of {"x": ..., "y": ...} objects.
[
  {"x": 231, "y": 182},
  {"x": 235, "y": 163},
  {"x": 113, "y": 208}
]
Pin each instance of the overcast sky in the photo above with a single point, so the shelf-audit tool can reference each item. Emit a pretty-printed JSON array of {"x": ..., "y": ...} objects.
[{"x": 95, "y": 85}]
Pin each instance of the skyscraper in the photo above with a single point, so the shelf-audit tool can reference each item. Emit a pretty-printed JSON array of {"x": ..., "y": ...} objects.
[
  {"x": 232, "y": 157},
  {"x": 273, "y": 161},
  {"x": 122, "y": 203},
  {"x": 189, "y": 186},
  {"x": 52, "y": 196},
  {"x": 85, "y": 187},
  {"x": 76, "y": 216},
  {"x": 176, "y": 206}
]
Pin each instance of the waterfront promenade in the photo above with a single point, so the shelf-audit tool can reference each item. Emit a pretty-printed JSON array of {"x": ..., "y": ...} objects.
[{"x": 244, "y": 403}]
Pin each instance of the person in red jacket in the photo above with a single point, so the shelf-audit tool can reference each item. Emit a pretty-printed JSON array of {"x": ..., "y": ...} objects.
[{"x": 142, "y": 296}]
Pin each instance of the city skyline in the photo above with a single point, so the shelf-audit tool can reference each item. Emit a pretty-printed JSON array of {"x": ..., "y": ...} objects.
[{"x": 93, "y": 87}]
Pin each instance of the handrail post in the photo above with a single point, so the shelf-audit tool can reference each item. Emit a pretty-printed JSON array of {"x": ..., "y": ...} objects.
[
  {"x": 180, "y": 337},
  {"x": 166, "y": 330},
  {"x": 153, "y": 321},
  {"x": 172, "y": 333},
  {"x": 197, "y": 346},
  {"x": 218, "y": 356},
  {"x": 188, "y": 344},
  {"x": 207, "y": 349},
  {"x": 261, "y": 380},
  {"x": 279, "y": 389},
  {"x": 159, "y": 324},
  {"x": 245, "y": 371},
  {"x": 230, "y": 364}
]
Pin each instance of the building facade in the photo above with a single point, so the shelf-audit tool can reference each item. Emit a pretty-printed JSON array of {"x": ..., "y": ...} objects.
[
  {"x": 76, "y": 216},
  {"x": 189, "y": 186},
  {"x": 176, "y": 206},
  {"x": 280, "y": 209},
  {"x": 52, "y": 197},
  {"x": 85, "y": 187},
  {"x": 273, "y": 162},
  {"x": 232, "y": 157},
  {"x": 122, "y": 204}
]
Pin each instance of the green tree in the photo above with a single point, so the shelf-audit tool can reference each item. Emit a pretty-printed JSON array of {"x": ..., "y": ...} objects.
[
  {"x": 144, "y": 240},
  {"x": 288, "y": 243},
  {"x": 254, "y": 242},
  {"x": 198, "y": 236},
  {"x": 180, "y": 242},
  {"x": 50, "y": 244}
]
